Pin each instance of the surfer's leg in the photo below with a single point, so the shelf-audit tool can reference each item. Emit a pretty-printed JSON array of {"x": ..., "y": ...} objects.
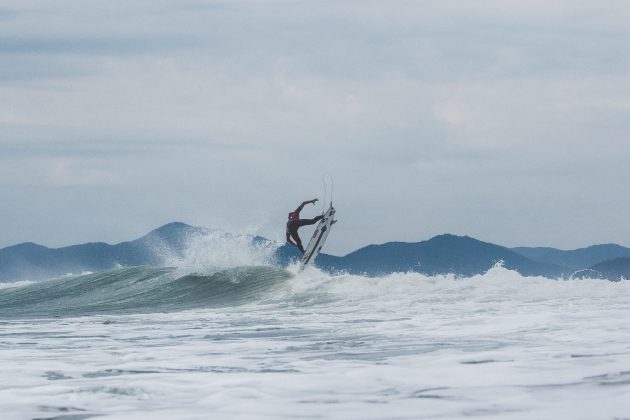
[
  {"x": 298, "y": 242},
  {"x": 304, "y": 222},
  {"x": 296, "y": 238}
]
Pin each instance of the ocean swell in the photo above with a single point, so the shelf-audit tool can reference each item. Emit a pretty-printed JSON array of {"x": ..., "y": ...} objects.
[{"x": 139, "y": 289}]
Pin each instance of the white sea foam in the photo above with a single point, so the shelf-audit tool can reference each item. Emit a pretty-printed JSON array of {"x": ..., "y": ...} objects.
[
  {"x": 17, "y": 283},
  {"x": 218, "y": 250},
  {"x": 498, "y": 345}
]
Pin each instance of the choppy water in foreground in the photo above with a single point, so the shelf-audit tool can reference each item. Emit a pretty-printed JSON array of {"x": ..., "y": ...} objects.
[{"x": 261, "y": 342}]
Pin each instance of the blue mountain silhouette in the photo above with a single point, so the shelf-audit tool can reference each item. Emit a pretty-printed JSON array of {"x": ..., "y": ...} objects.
[{"x": 460, "y": 255}]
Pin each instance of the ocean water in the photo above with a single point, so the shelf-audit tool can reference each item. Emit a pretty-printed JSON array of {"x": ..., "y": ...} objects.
[{"x": 255, "y": 341}]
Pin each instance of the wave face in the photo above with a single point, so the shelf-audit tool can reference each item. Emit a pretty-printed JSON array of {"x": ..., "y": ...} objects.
[
  {"x": 168, "y": 289},
  {"x": 139, "y": 289}
]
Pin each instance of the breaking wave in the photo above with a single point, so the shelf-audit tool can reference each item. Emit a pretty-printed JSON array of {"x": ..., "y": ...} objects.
[
  {"x": 154, "y": 290},
  {"x": 139, "y": 289}
]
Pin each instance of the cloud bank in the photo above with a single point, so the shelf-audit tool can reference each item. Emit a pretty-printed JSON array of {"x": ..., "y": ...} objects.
[{"x": 502, "y": 121}]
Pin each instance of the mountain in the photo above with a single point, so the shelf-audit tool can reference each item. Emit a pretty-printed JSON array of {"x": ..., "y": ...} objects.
[
  {"x": 442, "y": 254},
  {"x": 459, "y": 255},
  {"x": 613, "y": 269},
  {"x": 577, "y": 259},
  {"x": 33, "y": 262}
]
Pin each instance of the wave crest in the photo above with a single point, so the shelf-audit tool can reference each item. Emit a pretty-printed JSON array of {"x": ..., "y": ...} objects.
[{"x": 139, "y": 289}]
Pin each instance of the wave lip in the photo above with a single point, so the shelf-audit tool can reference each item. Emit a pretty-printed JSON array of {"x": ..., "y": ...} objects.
[{"x": 139, "y": 290}]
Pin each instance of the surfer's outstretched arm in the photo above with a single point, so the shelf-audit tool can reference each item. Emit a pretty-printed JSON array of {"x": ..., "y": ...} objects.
[{"x": 301, "y": 206}]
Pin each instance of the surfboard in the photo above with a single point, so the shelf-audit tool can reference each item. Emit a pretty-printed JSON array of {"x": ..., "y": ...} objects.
[{"x": 319, "y": 237}]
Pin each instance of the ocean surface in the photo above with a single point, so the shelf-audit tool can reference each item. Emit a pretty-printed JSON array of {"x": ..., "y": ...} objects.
[{"x": 239, "y": 340}]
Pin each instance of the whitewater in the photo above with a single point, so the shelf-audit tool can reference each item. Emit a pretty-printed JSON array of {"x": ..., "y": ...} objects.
[{"x": 226, "y": 334}]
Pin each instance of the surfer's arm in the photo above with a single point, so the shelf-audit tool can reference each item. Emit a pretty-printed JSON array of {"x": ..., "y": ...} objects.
[{"x": 299, "y": 209}]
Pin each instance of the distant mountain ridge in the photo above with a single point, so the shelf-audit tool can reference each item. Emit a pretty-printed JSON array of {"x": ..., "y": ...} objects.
[
  {"x": 33, "y": 262},
  {"x": 459, "y": 255},
  {"x": 441, "y": 254},
  {"x": 576, "y": 259},
  {"x": 614, "y": 269}
]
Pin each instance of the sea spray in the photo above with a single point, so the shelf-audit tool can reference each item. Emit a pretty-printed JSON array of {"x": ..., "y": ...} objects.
[{"x": 217, "y": 250}]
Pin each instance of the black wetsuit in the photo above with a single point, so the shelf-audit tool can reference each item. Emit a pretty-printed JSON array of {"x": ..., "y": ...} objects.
[{"x": 294, "y": 225}]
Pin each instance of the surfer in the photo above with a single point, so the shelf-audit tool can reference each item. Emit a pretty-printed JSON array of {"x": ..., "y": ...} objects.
[{"x": 294, "y": 223}]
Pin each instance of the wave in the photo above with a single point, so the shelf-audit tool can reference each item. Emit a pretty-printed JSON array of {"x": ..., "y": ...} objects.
[
  {"x": 139, "y": 289},
  {"x": 151, "y": 290}
]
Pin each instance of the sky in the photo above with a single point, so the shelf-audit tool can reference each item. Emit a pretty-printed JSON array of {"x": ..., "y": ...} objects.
[{"x": 505, "y": 121}]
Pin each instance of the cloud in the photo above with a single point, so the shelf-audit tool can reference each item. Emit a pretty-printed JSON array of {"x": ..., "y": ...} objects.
[
  {"x": 455, "y": 116},
  {"x": 458, "y": 115}
]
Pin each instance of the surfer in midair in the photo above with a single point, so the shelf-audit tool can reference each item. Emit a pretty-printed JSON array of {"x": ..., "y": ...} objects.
[{"x": 294, "y": 223}]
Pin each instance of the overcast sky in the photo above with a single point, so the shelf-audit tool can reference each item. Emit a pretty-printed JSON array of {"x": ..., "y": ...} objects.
[{"x": 502, "y": 120}]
